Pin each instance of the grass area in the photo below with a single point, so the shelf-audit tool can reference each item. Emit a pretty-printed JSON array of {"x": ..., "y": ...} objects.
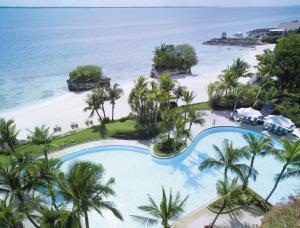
[
  {"x": 198, "y": 106},
  {"x": 75, "y": 138},
  {"x": 119, "y": 129},
  {"x": 249, "y": 199}
]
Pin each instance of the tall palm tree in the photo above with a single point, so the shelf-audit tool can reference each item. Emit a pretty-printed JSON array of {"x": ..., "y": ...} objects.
[
  {"x": 137, "y": 98},
  {"x": 289, "y": 155},
  {"x": 42, "y": 136},
  {"x": 178, "y": 92},
  {"x": 8, "y": 133},
  {"x": 228, "y": 80},
  {"x": 228, "y": 192},
  {"x": 11, "y": 215},
  {"x": 187, "y": 98},
  {"x": 194, "y": 117},
  {"x": 15, "y": 184},
  {"x": 62, "y": 218},
  {"x": 169, "y": 210},
  {"x": 83, "y": 186},
  {"x": 47, "y": 171},
  {"x": 228, "y": 159},
  {"x": 240, "y": 68},
  {"x": 114, "y": 93},
  {"x": 257, "y": 147},
  {"x": 179, "y": 131},
  {"x": 93, "y": 105},
  {"x": 102, "y": 96}
]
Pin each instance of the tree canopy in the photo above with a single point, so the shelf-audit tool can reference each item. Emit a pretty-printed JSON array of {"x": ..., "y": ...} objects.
[
  {"x": 283, "y": 62},
  {"x": 87, "y": 73},
  {"x": 168, "y": 56}
]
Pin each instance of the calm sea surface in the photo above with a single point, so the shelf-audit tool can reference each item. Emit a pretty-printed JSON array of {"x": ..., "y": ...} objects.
[{"x": 38, "y": 47}]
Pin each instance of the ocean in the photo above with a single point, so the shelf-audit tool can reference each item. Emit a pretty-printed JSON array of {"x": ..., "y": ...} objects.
[{"x": 39, "y": 46}]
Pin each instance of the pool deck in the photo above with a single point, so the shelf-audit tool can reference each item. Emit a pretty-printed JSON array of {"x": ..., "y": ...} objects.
[{"x": 200, "y": 216}]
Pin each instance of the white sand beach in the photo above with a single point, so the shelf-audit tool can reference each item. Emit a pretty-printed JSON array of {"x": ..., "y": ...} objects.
[{"x": 68, "y": 108}]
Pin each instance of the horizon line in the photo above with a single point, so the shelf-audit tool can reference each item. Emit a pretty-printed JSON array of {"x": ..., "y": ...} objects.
[{"x": 149, "y": 6}]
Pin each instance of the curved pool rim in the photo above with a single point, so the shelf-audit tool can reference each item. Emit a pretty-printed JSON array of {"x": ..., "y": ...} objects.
[{"x": 166, "y": 160}]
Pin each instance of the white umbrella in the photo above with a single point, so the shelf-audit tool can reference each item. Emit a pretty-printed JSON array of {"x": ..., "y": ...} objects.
[
  {"x": 249, "y": 112},
  {"x": 279, "y": 121},
  {"x": 296, "y": 132}
]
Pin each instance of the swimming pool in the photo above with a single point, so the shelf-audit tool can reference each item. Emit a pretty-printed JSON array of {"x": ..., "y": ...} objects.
[{"x": 138, "y": 173}]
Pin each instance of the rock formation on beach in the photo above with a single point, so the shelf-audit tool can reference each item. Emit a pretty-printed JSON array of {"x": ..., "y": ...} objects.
[{"x": 86, "y": 78}]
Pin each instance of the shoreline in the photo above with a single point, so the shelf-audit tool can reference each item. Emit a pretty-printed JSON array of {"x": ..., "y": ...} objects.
[{"x": 68, "y": 108}]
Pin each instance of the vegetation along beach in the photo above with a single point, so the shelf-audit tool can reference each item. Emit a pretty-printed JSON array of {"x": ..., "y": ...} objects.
[{"x": 149, "y": 114}]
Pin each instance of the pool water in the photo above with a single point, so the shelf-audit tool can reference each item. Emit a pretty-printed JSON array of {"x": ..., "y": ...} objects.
[{"x": 138, "y": 173}]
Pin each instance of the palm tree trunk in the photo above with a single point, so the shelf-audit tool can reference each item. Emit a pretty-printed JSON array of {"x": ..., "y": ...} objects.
[
  {"x": 100, "y": 119},
  {"x": 11, "y": 148},
  {"x": 32, "y": 221},
  {"x": 225, "y": 174},
  {"x": 53, "y": 199},
  {"x": 21, "y": 199},
  {"x": 103, "y": 110},
  {"x": 277, "y": 182},
  {"x": 185, "y": 111},
  {"x": 191, "y": 123},
  {"x": 217, "y": 216},
  {"x": 86, "y": 219},
  {"x": 112, "y": 111},
  {"x": 234, "y": 107},
  {"x": 245, "y": 184}
]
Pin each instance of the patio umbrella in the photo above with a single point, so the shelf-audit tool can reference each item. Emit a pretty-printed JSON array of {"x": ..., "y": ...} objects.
[
  {"x": 279, "y": 121},
  {"x": 249, "y": 112},
  {"x": 296, "y": 132}
]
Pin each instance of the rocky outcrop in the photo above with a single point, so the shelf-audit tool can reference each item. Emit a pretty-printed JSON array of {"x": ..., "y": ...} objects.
[
  {"x": 244, "y": 42},
  {"x": 75, "y": 85},
  {"x": 156, "y": 71}
]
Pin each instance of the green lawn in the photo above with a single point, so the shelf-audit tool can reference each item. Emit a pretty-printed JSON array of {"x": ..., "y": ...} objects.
[
  {"x": 90, "y": 134},
  {"x": 198, "y": 106},
  {"x": 79, "y": 137}
]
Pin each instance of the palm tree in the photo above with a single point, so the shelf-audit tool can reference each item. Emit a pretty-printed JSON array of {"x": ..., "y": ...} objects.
[
  {"x": 15, "y": 184},
  {"x": 61, "y": 218},
  {"x": 8, "y": 133},
  {"x": 188, "y": 98},
  {"x": 228, "y": 159},
  {"x": 11, "y": 215},
  {"x": 179, "y": 131},
  {"x": 114, "y": 94},
  {"x": 82, "y": 185},
  {"x": 289, "y": 155},
  {"x": 257, "y": 147},
  {"x": 169, "y": 210},
  {"x": 228, "y": 80},
  {"x": 178, "y": 92},
  {"x": 102, "y": 96},
  {"x": 228, "y": 192},
  {"x": 194, "y": 117},
  {"x": 47, "y": 171},
  {"x": 93, "y": 105},
  {"x": 137, "y": 99},
  {"x": 42, "y": 136},
  {"x": 240, "y": 68}
]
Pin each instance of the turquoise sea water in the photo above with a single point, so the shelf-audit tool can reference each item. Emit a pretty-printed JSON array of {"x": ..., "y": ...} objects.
[
  {"x": 38, "y": 47},
  {"x": 137, "y": 174}
]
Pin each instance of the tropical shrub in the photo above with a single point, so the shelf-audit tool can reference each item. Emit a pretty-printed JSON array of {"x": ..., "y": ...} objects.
[
  {"x": 285, "y": 214},
  {"x": 88, "y": 73},
  {"x": 168, "y": 56}
]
